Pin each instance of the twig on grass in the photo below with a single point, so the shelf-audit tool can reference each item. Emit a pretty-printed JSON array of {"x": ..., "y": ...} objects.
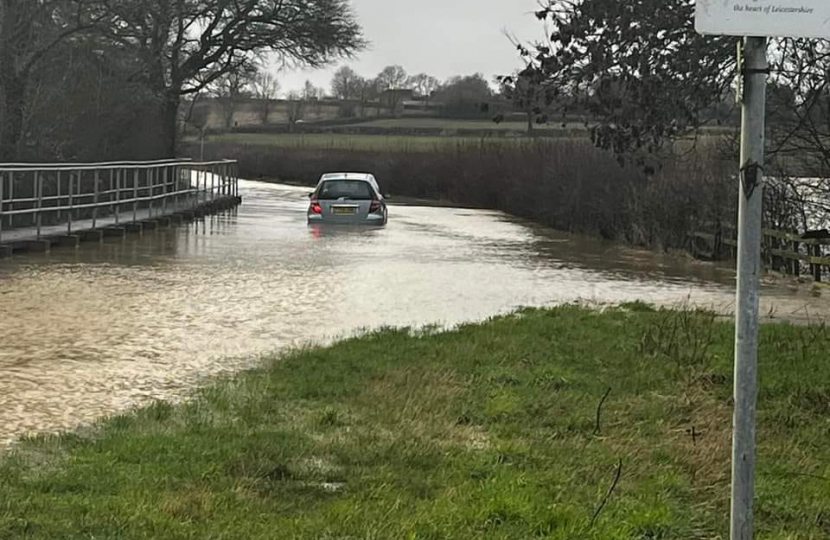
[
  {"x": 597, "y": 429},
  {"x": 617, "y": 476}
]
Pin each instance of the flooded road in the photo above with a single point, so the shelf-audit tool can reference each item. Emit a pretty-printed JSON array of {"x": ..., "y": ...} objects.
[{"x": 90, "y": 331}]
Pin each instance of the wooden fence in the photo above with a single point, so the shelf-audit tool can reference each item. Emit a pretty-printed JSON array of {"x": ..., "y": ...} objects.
[{"x": 782, "y": 251}]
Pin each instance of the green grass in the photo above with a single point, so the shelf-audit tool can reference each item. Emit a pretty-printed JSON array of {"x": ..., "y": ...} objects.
[
  {"x": 484, "y": 432},
  {"x": 449, "y": 124},
  {"x": 340, "y": 141}
]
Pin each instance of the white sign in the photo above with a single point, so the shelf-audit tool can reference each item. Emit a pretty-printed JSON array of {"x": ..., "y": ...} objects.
[{"x": 760, "y": 18}]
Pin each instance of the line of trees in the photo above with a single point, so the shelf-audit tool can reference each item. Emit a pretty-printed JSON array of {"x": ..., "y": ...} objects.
[
  {"x": 648, "y": 78},
  {"x": 651, "y": 84},
  {"x": 98, "y": 79},
  {"x": 458, "y": 95}
]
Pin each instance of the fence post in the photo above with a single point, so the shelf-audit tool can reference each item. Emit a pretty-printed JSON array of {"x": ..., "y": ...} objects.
[{"x": 817, "y": 266}]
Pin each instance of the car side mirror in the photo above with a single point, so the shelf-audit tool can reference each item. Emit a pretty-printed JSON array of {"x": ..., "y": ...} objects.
[{"x": 310, "y": 195}]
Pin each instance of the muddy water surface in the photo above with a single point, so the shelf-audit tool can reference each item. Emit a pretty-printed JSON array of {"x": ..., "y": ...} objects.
[{"x": 90, "y": 331}]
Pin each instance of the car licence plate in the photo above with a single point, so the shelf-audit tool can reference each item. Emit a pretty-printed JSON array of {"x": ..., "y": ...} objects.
[{"x": 344, "y": 210}]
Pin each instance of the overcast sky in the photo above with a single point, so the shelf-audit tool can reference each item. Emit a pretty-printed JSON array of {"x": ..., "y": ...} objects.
[{"x": 439, "y": 37}]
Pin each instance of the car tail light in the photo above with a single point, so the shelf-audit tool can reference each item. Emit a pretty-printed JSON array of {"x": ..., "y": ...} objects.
[
  {"x": 375, "y": 207},
  {"x": 316, "y": 208}
]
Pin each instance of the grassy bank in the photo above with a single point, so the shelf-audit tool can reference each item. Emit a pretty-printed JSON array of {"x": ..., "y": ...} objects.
[
  {"x": 486, "y": 432},
  {"x": 567, "y": 184}
]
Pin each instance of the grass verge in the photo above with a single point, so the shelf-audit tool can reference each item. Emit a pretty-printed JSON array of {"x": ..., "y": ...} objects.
[{"x": 489, "y": 431}]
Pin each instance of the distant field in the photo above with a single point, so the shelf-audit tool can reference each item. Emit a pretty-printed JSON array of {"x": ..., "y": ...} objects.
[
  {"x": 343, "y": 142},
  {"x": 405, "y": 142},
  {"x": 443, "y": 123}
]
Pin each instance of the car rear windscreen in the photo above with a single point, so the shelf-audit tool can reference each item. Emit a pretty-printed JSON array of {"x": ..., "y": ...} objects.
[{"x": 333, "y": 190}]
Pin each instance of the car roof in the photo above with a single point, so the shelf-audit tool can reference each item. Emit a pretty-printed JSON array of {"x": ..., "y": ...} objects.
[{"x": 365, "y": 177}]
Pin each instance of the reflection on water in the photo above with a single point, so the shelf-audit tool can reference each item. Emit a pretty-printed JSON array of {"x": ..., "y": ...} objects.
[{"x": 90, "y": 331}]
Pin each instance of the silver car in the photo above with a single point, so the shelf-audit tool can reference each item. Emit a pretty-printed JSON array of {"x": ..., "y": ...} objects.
[{"x": 348, "y": 198}]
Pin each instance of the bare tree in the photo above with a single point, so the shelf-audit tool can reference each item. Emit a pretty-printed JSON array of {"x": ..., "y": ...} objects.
[
  {"x": 528, "y": 95},
  {"x": 311, "y": 92},
  {"x": 183, "y": 46},
  {"x": 424, "y": 85},
  {"x": 465, "y": 96},
  {"x": 296, "y": 109},
  {"x": 346, "y": 84},
  {"x": 265, "y": 87},
  {"x": 29, "y": 31},
  {"x": 369, "y": 90},
  {"x": 229, "y": 89},
  {"x": 390, "y": 82},
  {"x": 392, "y": 78}
]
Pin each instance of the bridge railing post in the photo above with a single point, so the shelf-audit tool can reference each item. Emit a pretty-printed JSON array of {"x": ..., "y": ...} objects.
[
  {"x": 71, "y": 202},
  {"x": 135, "y": 195},
  {"x": 2, "y": 204},
  {"x": 116, "y": 196},
  {"x": 164, "y": 192},
  {"x": 179, "y": 186},
  {"x": 59, "y": 200},
  {"x": 95, "y": 199},
  {"x": 151, "y": 189},
  {"x": 39, "y": 191},
  {"x": 11, "y": 199}
]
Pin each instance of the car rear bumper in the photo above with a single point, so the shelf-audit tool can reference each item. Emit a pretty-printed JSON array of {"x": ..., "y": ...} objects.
[{"x": 371, "y": 219}]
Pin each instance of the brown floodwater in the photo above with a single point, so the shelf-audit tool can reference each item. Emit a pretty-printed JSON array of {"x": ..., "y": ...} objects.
[{"x": 91, "y": 331}]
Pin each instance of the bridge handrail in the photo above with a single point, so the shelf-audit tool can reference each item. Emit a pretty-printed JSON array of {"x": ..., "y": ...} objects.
[
  {"x": 95, "y": 193},
  {"x": 129, "y": 165},
  {"x": 29, "y": 164}
]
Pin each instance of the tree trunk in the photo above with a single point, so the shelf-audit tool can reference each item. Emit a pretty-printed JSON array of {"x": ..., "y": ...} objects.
[
  {"x": 170, "y": 123},
  {"x": 11, "y": 128},
  {"x": 530, "y": 122}
]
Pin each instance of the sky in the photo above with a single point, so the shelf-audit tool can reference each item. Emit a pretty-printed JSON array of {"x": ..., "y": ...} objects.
[{"x": 440, "y": 37}]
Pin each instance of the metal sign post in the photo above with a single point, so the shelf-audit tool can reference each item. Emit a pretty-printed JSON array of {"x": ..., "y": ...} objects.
[
  {"x": 754, "y": 64},
  {"x": 780, "y": 18}
]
